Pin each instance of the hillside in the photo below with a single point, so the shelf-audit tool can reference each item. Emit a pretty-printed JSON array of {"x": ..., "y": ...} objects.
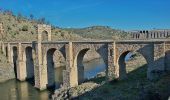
[
  {"x": 99, "y": 32},
  {"x": 19, "y": 28}
]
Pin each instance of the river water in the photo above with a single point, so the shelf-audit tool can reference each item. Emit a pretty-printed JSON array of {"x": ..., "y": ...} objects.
[{"x": 15, "y": 90}]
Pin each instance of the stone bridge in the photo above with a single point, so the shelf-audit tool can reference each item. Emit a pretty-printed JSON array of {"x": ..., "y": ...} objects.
[{"x": 35, "y": 60}]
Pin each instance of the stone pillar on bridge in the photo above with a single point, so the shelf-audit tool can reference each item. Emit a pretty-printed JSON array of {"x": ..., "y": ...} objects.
[
  {"x": 158, "y": 66},
  {"x": 9, "y": 53},
  {"x": 21, "y": 65},
  {"x": 111, "y": 66},
  {"x": 115, "y": 58},
  {"x": 70, "y": 77},
  {"x": 39, "y": 68}
]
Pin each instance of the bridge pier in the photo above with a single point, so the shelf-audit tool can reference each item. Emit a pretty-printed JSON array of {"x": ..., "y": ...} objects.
[
  {"x": 39, "y": 68},
  {"x": 9, "y": 57},
  {"x": 21, "y": 65},
  {"x": 158, "y": 66},
  {"x": 111, "y": 65},
  {"x": 70, "y": 77}
]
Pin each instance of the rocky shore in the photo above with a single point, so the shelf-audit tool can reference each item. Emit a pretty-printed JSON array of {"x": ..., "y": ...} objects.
[
  {"x": 75, "y": 92},
  {"x": 6, "y": 70}
]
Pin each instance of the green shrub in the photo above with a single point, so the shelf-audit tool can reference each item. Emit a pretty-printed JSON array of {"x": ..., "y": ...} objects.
[
  {"x": 9, "y": 28},
  {"x": 25, "y": 28}
]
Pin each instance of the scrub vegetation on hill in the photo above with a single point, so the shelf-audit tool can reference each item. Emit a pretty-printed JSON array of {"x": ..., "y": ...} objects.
[{"x": 100, "y": 32}]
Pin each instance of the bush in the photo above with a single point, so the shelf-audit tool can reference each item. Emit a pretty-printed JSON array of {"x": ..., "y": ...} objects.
[
  {"x": 25, "y": 28},
  {"x": 62, "y": 34},
  {"x": 9, "y": 28}
]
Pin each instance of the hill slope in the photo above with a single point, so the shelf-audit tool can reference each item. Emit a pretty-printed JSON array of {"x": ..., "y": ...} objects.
[
  {"x": 19, "y": 28},
  {"x": 99, "y": 32}
]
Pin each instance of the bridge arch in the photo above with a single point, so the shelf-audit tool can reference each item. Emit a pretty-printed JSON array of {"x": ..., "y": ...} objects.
[
  {"x": 121, "y": 61},
  {"x": 79, "y": 66},
  {"x": 29, "y": 62},
  {"x": 54, "y": 79}
]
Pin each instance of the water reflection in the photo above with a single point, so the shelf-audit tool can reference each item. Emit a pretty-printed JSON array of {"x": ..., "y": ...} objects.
[
  {"x": 59, "y": 76},
  {"x": 93, "y": 67},
  {"x": 15, "y": 90}
]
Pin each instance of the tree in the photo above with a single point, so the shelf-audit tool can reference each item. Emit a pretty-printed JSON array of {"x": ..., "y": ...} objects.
[
  {"x": 31, "y": 16},
  {"x": 19, "y": 16},
  {"x": 41, "y": 20}
]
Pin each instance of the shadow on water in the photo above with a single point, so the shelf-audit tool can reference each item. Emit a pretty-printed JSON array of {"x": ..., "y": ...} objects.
[{"x": 31, "y": 81}]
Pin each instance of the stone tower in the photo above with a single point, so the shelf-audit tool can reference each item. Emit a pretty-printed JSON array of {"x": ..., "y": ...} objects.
[{"x": 44, "y": 30}]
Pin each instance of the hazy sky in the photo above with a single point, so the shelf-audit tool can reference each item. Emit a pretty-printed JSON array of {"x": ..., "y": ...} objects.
[{"x": 120, "y": 14}]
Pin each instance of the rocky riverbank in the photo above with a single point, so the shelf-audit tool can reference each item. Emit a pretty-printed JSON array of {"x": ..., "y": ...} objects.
[
  {"x": 6, "y": 69},
  {"x": 75, "y": 92}
]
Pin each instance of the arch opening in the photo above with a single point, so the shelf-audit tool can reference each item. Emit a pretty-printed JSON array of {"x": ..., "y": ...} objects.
[
  {"x": 132, "y": 62},
  {"x": 89, "y": 65},
  {"x": 55, "y": 67},
  {"x": 29, "y": 64},
  {"x": 15, "y": 57},
  {"x": 44, "y": 36}
]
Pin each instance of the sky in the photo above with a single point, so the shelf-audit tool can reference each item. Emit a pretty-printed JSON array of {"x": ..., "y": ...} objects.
[{"x": 118, "y": 14}]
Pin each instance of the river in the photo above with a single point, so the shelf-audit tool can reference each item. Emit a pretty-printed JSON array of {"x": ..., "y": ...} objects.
[{"x": 15, "y": 90}]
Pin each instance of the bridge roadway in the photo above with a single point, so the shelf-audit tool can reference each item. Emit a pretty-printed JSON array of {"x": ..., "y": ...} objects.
[{"x": 98, "y": 41}]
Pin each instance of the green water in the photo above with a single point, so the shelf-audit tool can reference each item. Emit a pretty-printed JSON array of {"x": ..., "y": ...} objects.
[{"x": 15, "y": 90}]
